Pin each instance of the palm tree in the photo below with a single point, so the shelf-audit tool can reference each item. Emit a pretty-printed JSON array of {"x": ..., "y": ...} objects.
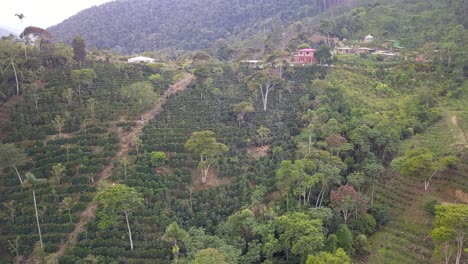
[
  {"x": 173, "y": 234},
  {"x": 33, "y": 182},
  {"x": 21, "y": 16}
]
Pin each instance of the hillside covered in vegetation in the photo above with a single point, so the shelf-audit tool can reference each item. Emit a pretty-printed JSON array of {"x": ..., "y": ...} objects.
[
  {"x": 133, "y": 26},
  {"x": 358, "y": 158}
]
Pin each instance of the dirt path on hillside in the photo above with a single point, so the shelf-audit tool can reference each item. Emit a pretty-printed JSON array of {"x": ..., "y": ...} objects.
[
  {"x": 5, "y": 110},
  {"x": 461, "y": 134},
  {"x": 125, "y": 144}
]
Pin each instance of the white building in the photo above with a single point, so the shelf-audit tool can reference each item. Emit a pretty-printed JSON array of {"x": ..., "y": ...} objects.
[
  {"x": 141, "y": 59},
  {"x": 368, "y": 39}
]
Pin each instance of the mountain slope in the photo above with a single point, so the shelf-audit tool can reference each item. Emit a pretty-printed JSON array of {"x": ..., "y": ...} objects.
[{"x": 135, "y": 26}]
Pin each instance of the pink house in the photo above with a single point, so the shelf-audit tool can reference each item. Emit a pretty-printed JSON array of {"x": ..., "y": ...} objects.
[{"x": 304, "y": 56}]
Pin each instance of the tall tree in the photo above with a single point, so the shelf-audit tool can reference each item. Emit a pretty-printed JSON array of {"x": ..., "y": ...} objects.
[
  {"x": 175, "y": 234},
  {"x": 266, "y": 82},
  {"x": 83, "y": 77},
  {"x": 55, "y": 180},
  {"x": 241, "y": 109},
  {"x": 205, "y": 145},
  {"x": 79, "y": 49},
  {"x": 114, "y": 201},
  {"x": 300, "y": 235},
  {"x": 58, "y": 124},
  {"x": 11, "y": 156},
  {"x": 421, "y": 163},
  {"x": 21, "y": 17},
  {"x": 263, "y": 134},
  {"x": 347, "y": 201},
  {"x": 67, "y": 204},
  {"x": 297, "y": 178},
  {"x": 323, "y": 54},
  {"x": 450, "y": 230},
  {"x": 32, "y": 182},
  {"x": 209, "y": 255}
]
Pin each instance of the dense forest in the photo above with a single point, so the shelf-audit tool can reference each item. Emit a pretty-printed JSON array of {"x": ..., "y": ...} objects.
[
  {"x": 360, "y": 158},
  {"x": 137, "y": 26}
]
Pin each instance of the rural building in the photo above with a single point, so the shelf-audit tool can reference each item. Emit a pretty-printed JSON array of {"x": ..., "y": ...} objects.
[
  {"x": 364, "y": 50},
  {"x": 345, "y": 50},
  {"x": 368, "y": 39},
  {"x": 252, "y": 64},
  {"x": 141, "y": 59},
  {"x": 304, "y": 56}
]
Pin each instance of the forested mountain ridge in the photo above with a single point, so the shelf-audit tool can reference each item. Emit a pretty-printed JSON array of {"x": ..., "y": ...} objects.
[
  {"x": 136, "y": 26},
  {"x": 361, "y": 161}
]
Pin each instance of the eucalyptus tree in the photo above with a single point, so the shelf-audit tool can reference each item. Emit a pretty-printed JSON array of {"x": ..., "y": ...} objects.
[
  {"x": 83, "y": 77},
  {"x": 241, "y": 109},
  {"x": 266, "y": 82},
  {"x": 58, "y": 124},
  {"x": 11, "y": 156},
  {"x": 451, "y": 231},
  {"x": 115, "y": 200},
  {"x": 67, "y": 204},
  {"x": 421, "y": 163},
  {"x": 32, "y": 182},
  {"x": 205, "y": 145}
]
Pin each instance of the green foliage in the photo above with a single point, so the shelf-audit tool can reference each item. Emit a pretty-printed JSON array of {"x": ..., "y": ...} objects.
[
  {"x": 345, "y": 238},
  {"x": 429, "y": 206},
  {"x": 361, "y": 246},
  {"x": 79, "y": 49},
  {"x": 380, "y": 212},
  {"x": 114, "y": 201},
  {"x": 194, "y": 28},
  {"x": 139, "y": 96},
  {"x": 299, "y": 234},
  {"x": 340, "y": 257},
  {"x": 198, "y": 241},
  {"x": 209, "y": 255},
  {"x": 323, "y": 54},
  {"x": 158, "y": 158},
  {"x": 450, "y": 227}
]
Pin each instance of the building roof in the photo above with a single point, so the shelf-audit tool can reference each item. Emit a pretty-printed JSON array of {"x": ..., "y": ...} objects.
[
  {"x": 313, "y": 50},
  {"x": 141, "y": 58}
]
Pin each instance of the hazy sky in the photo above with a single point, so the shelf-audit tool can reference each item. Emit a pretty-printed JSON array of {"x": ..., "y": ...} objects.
[{"x": 41, "y": 13}]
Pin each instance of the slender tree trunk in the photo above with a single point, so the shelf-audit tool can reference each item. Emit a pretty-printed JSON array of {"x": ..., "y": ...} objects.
[
  {"x": 175, "y": 251},
  {"x": 459, "y": 248},
  {"x": 446, "y": 252},
  {"x": 427, "y": 182},
  {"x": 16, "y": 76},
  {"x": 37, "y": 218},
  {"x": 265, "y": 99},
  {"x": 129, "y": 230},
  {"x": 17, "y": 173},
  {"x": 69, "y": 215},
  {"x": 372, "y": 194},
  {"x": 318, "y": 197}
]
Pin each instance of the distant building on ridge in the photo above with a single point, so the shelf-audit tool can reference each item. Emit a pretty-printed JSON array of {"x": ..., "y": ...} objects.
[
  {"x": 304, "y": 56},
  {"x": 141, "y": 59},
  {"x": 368, "y": 39}
]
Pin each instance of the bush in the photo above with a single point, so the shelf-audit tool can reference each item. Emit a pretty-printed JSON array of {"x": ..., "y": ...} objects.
[
  {"x": 50, "y": 248},
  {"x": 380, "y": 214},
  {"x": 429, "y": 206}
]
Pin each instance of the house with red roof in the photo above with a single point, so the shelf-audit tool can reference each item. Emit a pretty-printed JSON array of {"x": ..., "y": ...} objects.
[{"x": 304, "y": 56}]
